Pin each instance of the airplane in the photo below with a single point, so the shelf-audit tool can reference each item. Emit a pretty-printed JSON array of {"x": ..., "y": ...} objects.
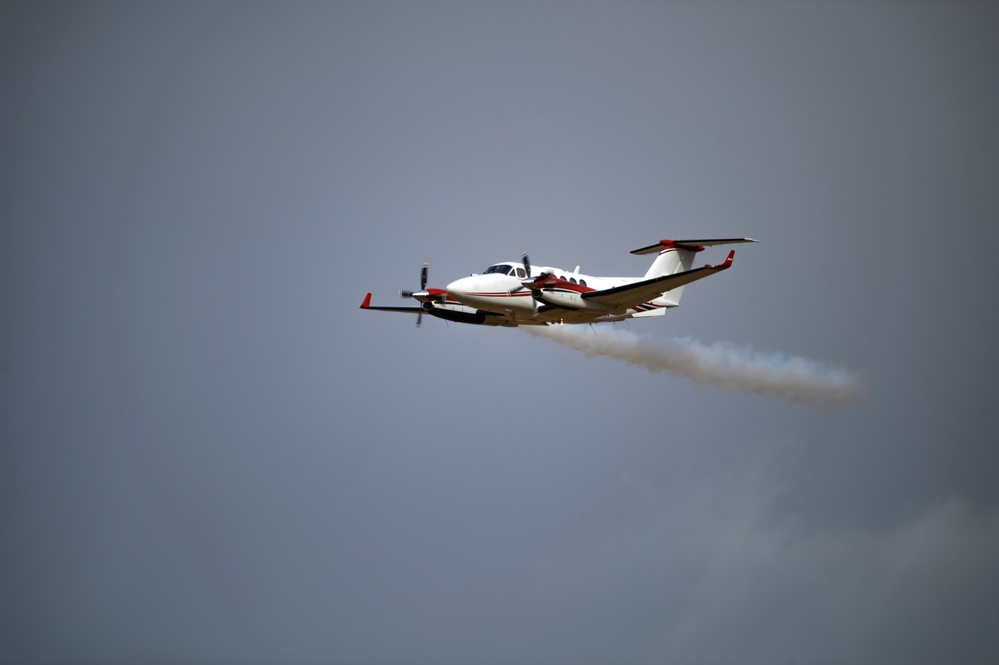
[{"x": 513, "y": 293}]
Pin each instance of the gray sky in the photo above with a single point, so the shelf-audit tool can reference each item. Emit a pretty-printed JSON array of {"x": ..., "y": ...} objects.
[{"x": 208, "y": 454}]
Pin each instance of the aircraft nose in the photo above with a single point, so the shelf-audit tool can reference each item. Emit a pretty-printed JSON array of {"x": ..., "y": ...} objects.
[{"x": 459, "y": 287}]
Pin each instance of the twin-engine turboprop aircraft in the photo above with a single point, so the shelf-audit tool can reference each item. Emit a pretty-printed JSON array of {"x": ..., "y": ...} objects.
[{"x": 515, "y": 293}]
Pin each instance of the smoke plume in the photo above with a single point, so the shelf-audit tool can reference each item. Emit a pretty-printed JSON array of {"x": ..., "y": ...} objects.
[{"x": 720, "y": 364}]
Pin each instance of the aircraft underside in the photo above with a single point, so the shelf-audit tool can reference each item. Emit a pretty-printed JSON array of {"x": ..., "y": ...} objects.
[{"x": 497, "y": 315}]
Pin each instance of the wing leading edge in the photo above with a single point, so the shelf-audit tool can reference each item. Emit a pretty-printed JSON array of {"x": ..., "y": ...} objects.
[{"x": 636, "y": 293}]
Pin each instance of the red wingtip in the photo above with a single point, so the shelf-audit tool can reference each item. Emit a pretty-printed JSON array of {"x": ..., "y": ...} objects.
[
  {"x": 725, "y": 264},
  {"x": 367, "y": 302}
]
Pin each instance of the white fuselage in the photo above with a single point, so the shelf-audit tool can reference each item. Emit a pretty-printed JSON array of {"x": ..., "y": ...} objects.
[{"x": 503, "y": 293}]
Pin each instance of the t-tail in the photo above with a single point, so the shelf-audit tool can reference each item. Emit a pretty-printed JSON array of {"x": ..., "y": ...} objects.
[{"x": 675, "y": 256}]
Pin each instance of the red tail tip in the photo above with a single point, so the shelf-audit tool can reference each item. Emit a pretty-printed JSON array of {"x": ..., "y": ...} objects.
[{"x": 367, "y": 302}]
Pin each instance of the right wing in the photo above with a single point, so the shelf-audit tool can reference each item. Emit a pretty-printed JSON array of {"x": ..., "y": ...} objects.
[{"x": 636, "y": 293}]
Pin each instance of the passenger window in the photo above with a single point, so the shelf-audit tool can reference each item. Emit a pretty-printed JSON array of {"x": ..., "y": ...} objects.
[
  {"x": 582, "y": 282},
  {"x": 521, "y": 273},
  {"x": 572, "y": 279}
]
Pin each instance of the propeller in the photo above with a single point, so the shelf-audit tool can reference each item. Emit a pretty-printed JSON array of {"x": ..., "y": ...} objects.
[
  {"x": 422, "y": 292},
  {"x": 528, "y": 281},
  {"x": 423, "y": 283}
]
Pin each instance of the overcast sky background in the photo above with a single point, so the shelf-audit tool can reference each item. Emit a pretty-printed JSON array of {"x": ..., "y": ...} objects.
[{"x": 208, "y": 454}]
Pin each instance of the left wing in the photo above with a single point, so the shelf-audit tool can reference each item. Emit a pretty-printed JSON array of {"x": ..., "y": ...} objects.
[
  {"x": 411, "y": 310},
  {"x": 636, "y": 293}
]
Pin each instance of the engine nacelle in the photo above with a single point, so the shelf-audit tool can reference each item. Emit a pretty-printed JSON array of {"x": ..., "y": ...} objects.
[{"x": 570, "y": 300}]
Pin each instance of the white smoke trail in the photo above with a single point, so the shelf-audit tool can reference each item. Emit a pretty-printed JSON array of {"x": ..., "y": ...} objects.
[{"x": 721, "y": 364}]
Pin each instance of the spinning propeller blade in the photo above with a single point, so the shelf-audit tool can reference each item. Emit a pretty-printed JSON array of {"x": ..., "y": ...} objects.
[
  {"x": 422, "y": 292},
  {"x": 529, "y": 281},
  {"x": 423, "y": 283}
]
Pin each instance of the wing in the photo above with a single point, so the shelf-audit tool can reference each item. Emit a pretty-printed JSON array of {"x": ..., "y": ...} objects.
[
  {"x": 636, "y": 293},
  {"x": 409, "y": 310}
]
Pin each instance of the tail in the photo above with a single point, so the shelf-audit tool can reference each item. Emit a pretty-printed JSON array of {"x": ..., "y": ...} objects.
[{"x": 678, "y": 256}]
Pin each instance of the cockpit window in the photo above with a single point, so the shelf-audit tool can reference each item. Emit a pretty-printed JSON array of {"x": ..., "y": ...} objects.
[{"x": 499, "y": 268}]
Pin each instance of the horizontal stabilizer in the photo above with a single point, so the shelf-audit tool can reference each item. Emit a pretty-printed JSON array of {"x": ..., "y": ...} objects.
[{"x": 689, "y": 245}]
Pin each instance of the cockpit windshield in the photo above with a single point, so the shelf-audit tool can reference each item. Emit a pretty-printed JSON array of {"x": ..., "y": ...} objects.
[{"x": 500, "y": 268}]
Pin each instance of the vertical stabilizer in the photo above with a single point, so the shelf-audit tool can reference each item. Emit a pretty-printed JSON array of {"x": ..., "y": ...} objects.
[{"x": 670, "y": 261}]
